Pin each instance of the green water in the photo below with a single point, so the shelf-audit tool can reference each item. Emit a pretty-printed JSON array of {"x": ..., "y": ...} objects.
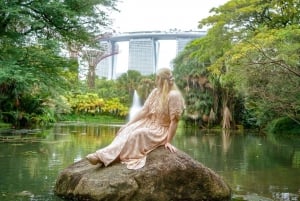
[{"x": 256, "y": 167}]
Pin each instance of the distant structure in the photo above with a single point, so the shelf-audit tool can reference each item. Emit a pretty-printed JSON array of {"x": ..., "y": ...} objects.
[
  {"x": 142, "y": 55},
  {"x": 143, "y": 50},
  {"x": 104, "y": 68},
  {"x": 181, "y": 43}
]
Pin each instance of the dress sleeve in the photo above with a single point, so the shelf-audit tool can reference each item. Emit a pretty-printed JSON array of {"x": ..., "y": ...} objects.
[{"x": 176, "y": 105}]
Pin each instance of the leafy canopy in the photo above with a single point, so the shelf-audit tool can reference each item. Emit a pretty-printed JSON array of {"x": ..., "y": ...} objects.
[{"x": 33, "y": 38}]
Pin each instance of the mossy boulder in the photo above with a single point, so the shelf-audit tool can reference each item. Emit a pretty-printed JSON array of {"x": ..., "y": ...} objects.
[{"x": 165, "y": 177}]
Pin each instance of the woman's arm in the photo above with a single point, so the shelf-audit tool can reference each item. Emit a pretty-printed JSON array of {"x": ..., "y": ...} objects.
[
  {"x": 171, "y": 134},
  {"x": 176, "y": 105}
]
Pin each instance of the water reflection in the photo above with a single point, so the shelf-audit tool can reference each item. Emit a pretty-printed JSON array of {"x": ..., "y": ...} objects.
[
  {"x": 256, "y": 167},
  {"x": 252, "y": 164},
  {"x": 226, "y": 140}
]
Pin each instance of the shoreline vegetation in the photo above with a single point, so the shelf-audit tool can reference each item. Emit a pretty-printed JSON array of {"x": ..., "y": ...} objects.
[
  {"x": 278, "y": 126},
  {"x": 9, "y": 134}
]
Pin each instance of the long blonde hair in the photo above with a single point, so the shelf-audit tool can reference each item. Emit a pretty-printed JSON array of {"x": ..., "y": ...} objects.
[{"x": 165, "y": 83}]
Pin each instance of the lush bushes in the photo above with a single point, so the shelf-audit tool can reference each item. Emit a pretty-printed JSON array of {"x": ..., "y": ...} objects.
[
  {"x": 284, "y": 125},
  {"x": 90, "y": 103}
]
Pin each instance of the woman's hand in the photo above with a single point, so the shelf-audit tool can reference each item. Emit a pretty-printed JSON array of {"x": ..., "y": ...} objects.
[{"x": 170, "y": 147}]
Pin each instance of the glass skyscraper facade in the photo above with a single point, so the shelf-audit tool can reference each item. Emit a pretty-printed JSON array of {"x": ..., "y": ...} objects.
[
  {"x": 181, "y": 43},
  {"x": 142, "y": 55}
]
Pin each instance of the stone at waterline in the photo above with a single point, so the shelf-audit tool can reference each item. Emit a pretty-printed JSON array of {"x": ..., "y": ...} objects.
[{"x": 165, "y": 177}]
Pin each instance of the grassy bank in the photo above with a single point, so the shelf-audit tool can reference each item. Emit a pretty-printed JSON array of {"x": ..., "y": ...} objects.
[
  {"x": 4, "y": 125},
  {"x": 105, "y": 119}
]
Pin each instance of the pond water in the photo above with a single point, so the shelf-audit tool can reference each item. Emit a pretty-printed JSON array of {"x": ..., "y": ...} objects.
[{"x": 256, "y": 167}]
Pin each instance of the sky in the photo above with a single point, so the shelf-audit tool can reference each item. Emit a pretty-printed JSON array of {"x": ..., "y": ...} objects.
[
  {"x": 163, "y": 15},
  {"x": 159, "y": 15}
]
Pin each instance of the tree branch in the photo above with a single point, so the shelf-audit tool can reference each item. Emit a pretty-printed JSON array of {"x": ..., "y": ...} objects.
[{"x": 281, "y": 63}]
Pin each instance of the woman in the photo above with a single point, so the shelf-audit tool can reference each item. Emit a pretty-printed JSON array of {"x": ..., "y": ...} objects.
[{"x": 153, "y": 126}]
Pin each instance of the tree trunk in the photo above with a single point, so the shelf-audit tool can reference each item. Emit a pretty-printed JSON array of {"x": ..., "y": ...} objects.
[
  {"x": 227, "y": 118},
  {"x": 91, "y": 77}
]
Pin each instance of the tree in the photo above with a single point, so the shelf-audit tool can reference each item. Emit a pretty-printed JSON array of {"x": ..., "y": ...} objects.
[
  {"x": 66, "y": 20},
  {"x": 267, "y": 69},
  {"x": 203, "y": 90},
  {"x": 145, "y": 86},
  {"x": 32, "y": 36},
  {"x": 128, "y": 82},
  {"x": 250, "y": 56},
  {"x": 262, "y": 62},
  {"x": 94, "y": 57}
]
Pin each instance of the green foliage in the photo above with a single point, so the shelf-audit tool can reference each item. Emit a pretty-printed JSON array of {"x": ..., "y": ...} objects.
[
  {"x": 107, "y": 99},
  {"x": 22, "y": 103},
  {"x": 33, "y": 71},
  {"x": 204, "y": 91},
  {"x": 251, "y": 49},
  {"x": 27, "y": 83},
  {"x": 266, "y": 68},
  {"x": 105, "y": 119},
  {"x": 285, "y": 125},
  {"x": 127, "y": 83},
  {"x": 107, "y": 88},
  {"x": 116, "y": 95},
  {"x": 91, "y": 104},
  {"x": 145, "y": 86},
  {"x": 123, "y": 88},
  {"x": 65, "y": 20}
]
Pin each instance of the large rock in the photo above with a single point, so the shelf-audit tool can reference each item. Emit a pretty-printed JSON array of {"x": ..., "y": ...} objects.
[{"x": 165, "y": 177}]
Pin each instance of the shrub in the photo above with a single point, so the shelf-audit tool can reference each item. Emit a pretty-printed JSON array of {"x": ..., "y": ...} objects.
[{"x": 284, "y": 125}]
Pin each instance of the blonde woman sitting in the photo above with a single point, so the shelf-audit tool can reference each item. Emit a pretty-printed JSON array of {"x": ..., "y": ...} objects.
[{"x": 153, "y": 126}]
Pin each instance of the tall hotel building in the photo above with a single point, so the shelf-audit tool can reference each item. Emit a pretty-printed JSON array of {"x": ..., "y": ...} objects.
[{"x": 143, "y": 55}]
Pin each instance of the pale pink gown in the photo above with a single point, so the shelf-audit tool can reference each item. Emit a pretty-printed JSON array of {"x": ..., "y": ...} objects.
[{"x": 135, "y": 141}]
